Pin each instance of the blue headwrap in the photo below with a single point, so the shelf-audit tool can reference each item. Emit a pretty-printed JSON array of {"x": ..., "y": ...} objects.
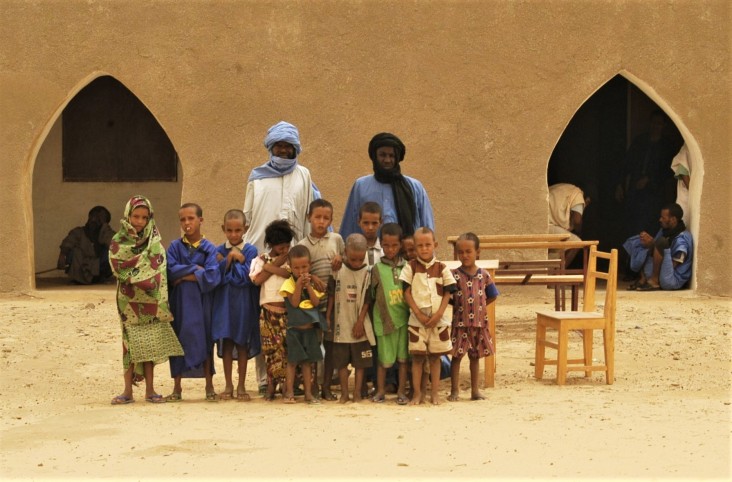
[{"x": 278, "y": 166}]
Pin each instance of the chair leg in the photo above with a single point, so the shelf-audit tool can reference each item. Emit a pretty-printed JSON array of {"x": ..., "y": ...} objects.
[
  {"x": 562, "y": 355},
  {"x": 540, "y": 354},
  {"x": 587, "y": 346},
  {"x": 489, "y": 380},
  {"x": 608, "y": 337}
]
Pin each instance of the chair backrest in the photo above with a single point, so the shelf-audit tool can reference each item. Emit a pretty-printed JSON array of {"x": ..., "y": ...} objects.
[{"x": 610, "y": 276}]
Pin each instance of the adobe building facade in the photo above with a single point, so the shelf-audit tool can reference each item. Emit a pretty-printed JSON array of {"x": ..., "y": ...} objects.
[{"x": 480, "y": 92}]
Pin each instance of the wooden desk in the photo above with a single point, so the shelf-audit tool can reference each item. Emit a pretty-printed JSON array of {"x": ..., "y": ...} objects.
[{"x": 489, "y": 369}]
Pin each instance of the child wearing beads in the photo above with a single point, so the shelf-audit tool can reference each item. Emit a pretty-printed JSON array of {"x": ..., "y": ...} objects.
[
  {"x": 475, "y": 291},
  {"x": 270, "y": 271}
]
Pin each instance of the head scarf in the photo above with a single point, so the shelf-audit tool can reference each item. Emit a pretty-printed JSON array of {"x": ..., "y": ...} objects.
[
  {"x": 138, "y": 261},
  {"x": 403, "y": 195},
  {"x": 278, "y": 166}
]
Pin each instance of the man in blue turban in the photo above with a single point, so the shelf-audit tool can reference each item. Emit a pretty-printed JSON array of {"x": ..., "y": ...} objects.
[{"x": 281, "y": 188}]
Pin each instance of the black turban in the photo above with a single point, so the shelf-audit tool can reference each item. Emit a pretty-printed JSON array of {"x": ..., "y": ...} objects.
[{"x": 402, "y": 190}]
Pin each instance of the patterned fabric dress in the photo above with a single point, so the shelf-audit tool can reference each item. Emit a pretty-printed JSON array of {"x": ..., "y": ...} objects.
[
  {"x": 138, "y": 262},
  {"x": 470, "y": 314}
]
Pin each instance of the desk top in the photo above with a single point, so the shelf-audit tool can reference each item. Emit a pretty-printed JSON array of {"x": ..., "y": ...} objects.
[
  {"x": 489, "y": 264},
  {"x": 510, "y": 238}
]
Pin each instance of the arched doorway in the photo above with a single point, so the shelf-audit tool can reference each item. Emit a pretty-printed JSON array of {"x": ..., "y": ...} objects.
[
  {"x": 593, "y": 150},
  {"x": 100, "y": 147}
]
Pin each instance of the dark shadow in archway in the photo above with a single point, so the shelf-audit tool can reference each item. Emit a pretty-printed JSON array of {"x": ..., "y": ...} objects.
[
  {"x": 595, "y": 152},
  {"x": 103, "y": 146}
]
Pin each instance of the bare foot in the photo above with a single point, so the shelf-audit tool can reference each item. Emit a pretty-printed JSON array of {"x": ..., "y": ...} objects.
[
  {"x": 453, "y": 397},
  {"x": 417, "y": 399},
  {"x": 477, "y": 396},
  {"x": 357, "y": 398},
  {"x": 435, "y": 400},
  {"x": 343, "y": 399},
  {"x": 243, "y": 396}
]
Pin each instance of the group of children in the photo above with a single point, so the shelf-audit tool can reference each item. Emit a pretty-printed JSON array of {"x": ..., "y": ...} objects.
[{"x": 372, "y": 302}]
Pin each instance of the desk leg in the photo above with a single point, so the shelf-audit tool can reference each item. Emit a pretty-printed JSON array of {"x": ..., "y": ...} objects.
[{"x": 489, "y": 368}]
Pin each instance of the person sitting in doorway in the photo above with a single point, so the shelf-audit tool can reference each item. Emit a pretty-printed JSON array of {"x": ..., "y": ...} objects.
[
  {"x": 85, "y": 250},
  {"x": 567, "y": 203},
  {"x": 665, "y": 261}
]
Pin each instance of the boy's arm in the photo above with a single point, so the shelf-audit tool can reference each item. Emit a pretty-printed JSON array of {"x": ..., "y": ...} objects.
[
  {"x": 421, "y": 317},
  {"x": 314, "y": 298},
  {"x": 238, "y": 274},
  {"x": 358, "y": 329},
  {"x": 208, "y": 275},
  {"x": 437, "y": 316}
]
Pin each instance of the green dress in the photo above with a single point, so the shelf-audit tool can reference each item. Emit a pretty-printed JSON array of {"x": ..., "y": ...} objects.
[{"x": 139, "y": 264}]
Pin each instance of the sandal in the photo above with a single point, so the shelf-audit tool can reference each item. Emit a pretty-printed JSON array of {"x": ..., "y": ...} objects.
[
  {"x": 313, "y": 401},
  {"x": 243, "y": 397},
  {"x": 634, "y": 285},
  {"x": 402, "y": 400},
  {"x": 288, "y": 399},
  {"x": 226, "y": 396},
  {"x": 212, "y": 397},
  {"x": 328, "y": 397},
  {"x": 155, "y": 399},
  {"x": 378, "y": 399},
  {"x": 174, "y": 397},
  {"x": 269, "y": 397},
  {"x": 122, "y": 400}
]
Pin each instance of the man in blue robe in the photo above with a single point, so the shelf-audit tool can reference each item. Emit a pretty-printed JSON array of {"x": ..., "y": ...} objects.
[{"x": 403, "y": 199}]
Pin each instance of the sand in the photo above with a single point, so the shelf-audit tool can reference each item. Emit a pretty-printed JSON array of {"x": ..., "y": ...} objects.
[{"x": 667, "y": 415}]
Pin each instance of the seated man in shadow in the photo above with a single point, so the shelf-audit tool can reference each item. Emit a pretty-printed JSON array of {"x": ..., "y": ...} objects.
[
  {"x": 664, "y": 262},
  {"x": 85, "y": 250}
]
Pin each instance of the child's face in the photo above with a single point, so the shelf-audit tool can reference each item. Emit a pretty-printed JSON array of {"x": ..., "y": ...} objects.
[
  {"x": 355, "y": 258},
  {"x": 467, "y": 254},
  {"x": 280, "y": 249},
  {"x": 369, "y": 224},
  {"x": 139, "y": 218},
  {"x": 320, "y": 220},
  {"x": 425, "y": 245},
  {"x": 299, "y": 266},
  {"x": 234, "y": 230},
  {"x": 190, "y": 222},
  {"x": 410, "y": 252},
  {"x": 390, "y": 245}
]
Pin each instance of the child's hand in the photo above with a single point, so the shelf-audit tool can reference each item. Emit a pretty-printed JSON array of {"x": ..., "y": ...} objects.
[
  {"x": 432, "y": 321},
  {"x": 318, "y": 283},
  {"x": 280, "y": 260},
  {"x": 219, "y": 257},
  {"x": 303, "y": 280},
  {"x": 336, "y": 263},
  {"x": 235, "y": 255},
  {"x": 358, "y": 330}
]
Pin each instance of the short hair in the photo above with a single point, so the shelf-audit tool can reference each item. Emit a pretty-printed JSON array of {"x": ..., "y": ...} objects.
[
  {"x": 235, "y": 214},
  {"x": 369, "y": 207},
  {"x": 319, "y": 203},
  {"x": 298, "y": 251},
  {"x": 356, "y": 242},
  {"x": 425, "y": 230},
  {"x": 470, "y": 237},
  {"x": 674, "y": 210},
  {"x": 199, "y": 211},
  {"x": 278, "y": 232},
  {"x": 100, "y": 209},
  {"x": 391, "y": 229}
]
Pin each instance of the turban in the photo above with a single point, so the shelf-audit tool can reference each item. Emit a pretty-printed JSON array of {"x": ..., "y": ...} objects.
[
  {"x": 386, "y": 139},
  {"x": 283, "y": 132}
]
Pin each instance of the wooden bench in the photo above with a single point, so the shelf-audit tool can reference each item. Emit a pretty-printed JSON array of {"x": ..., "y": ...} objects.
[{"x": 549, "y": 272}]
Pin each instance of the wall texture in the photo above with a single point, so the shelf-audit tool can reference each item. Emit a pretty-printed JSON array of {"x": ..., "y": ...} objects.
[{"x": 479, "y": 91}]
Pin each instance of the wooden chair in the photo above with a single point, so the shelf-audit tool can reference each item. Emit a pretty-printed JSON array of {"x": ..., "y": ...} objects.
[{"x": 586, "y": 321}]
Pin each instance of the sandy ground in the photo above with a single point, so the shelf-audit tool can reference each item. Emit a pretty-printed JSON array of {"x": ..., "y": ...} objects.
[{"x": 667, "y": 415}]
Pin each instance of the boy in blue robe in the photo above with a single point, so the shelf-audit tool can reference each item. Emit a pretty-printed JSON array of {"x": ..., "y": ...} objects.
[{"x": 193, "y": 274}]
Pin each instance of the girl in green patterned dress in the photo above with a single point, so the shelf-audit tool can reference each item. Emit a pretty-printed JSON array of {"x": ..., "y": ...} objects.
[{"x": 137, "y": 258}]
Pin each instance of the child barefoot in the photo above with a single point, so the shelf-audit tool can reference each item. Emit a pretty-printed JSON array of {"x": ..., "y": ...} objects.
[
  {"x": 301, "y": 301},
  {"x": 475, "y": 291},
  {"x": 390, "y": 314},
  {"x": 235, "y": 322},
  {"x": 137, "y": 258},
  {"x": 348, "y": 306},
  {"x": 428, "y": 285},
  {"x": 270, "y": 271}
]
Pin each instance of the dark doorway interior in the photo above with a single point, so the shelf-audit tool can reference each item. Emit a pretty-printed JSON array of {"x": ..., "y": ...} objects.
[{"x": 592, "y": 153}]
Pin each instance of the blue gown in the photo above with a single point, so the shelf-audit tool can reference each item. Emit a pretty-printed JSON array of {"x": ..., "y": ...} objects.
[
  {"x": 236, "y": 304},
  {"x": 367, "y": 188},
  {"x": 191, "y": 304}
]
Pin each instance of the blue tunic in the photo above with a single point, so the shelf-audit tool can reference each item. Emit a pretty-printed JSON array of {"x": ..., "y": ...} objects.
[
  {"x": 191, "y": 304},
  {"x": 670, "y": 278},
  {"x": 367, "y": 188},
  {"x": 236, "y": 304}
]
